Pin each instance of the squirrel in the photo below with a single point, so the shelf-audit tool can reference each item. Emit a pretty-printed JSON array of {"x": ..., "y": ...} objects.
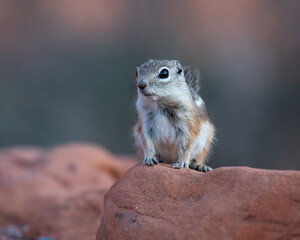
[{"x": 172, "y": 122}]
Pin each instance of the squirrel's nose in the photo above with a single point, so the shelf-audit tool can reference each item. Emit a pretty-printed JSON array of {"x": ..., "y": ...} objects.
[{"x": 141, "y": 84}]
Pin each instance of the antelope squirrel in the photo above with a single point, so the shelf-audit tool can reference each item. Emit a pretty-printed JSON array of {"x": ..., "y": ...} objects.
[{"x": 172, "y": 125}]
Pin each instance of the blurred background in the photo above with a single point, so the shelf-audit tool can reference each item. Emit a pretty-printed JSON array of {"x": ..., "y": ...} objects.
[{"x": 67, "y": 70}]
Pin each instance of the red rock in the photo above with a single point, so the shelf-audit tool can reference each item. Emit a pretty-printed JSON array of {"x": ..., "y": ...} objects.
[
  {"x": 59, "y": 192},
  {"x": 227, "y": 203}
]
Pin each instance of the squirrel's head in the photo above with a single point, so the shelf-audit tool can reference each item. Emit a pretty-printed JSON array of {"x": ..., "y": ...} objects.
[{"x": 159, "y": 78}]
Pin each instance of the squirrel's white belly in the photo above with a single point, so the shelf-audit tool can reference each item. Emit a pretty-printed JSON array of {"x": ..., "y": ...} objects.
[{"x": 166, "y": 142}]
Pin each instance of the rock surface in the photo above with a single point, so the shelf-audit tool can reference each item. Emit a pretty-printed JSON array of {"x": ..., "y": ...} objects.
[
  {"x": 227, "y": 203},
  {"x": 56, "y": 193}
]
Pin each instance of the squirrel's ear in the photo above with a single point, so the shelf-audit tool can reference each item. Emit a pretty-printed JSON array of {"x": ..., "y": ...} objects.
[
  {"x": 192, "y": 78},
  {"x": 179, "y": 67}
]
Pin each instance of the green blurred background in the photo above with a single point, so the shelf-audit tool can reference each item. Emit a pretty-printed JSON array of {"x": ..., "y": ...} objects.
[{"x": 67, "y": 70}]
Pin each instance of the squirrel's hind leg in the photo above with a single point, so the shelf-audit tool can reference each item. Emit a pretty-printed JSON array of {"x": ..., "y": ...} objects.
[{"x": 202, "y": 148}]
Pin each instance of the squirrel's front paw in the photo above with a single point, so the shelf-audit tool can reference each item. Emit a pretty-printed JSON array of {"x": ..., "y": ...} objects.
[
  {"x": 150, "y": 161},
  {"x": 202, "y": 168},
  {"x": 180, "y": 164}
]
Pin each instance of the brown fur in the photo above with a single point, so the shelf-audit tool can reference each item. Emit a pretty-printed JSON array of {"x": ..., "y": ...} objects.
[
  {"x": 202, "y": 157},
  {"x": 194, "y": 129}
]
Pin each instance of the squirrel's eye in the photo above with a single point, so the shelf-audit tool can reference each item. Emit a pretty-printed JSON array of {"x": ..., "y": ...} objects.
[{"x": 164, "y": 73}]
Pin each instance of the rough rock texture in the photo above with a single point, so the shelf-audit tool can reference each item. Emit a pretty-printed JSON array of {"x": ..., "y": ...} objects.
[
  {"x": 227, "y": 203},
  {"x": 56, "y": 193}
]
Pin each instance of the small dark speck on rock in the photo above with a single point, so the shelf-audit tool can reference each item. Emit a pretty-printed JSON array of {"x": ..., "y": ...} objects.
[
  {"x": 133, "y": 218},
  {"x": 119, "y": 215}
]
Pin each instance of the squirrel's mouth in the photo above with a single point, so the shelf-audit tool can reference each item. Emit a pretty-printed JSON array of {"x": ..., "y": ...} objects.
[{"x": 146, "y": 93}]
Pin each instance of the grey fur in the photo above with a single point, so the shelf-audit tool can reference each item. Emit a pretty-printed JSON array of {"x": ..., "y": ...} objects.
[{"x": 192, "y": 78}]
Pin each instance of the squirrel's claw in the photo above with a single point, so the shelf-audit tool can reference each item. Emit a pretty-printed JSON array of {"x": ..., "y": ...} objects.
[
  {"x": 202, "y": 168},
  {"x": 150, "y": 161},
  {"x": 179, "y": 165}
]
